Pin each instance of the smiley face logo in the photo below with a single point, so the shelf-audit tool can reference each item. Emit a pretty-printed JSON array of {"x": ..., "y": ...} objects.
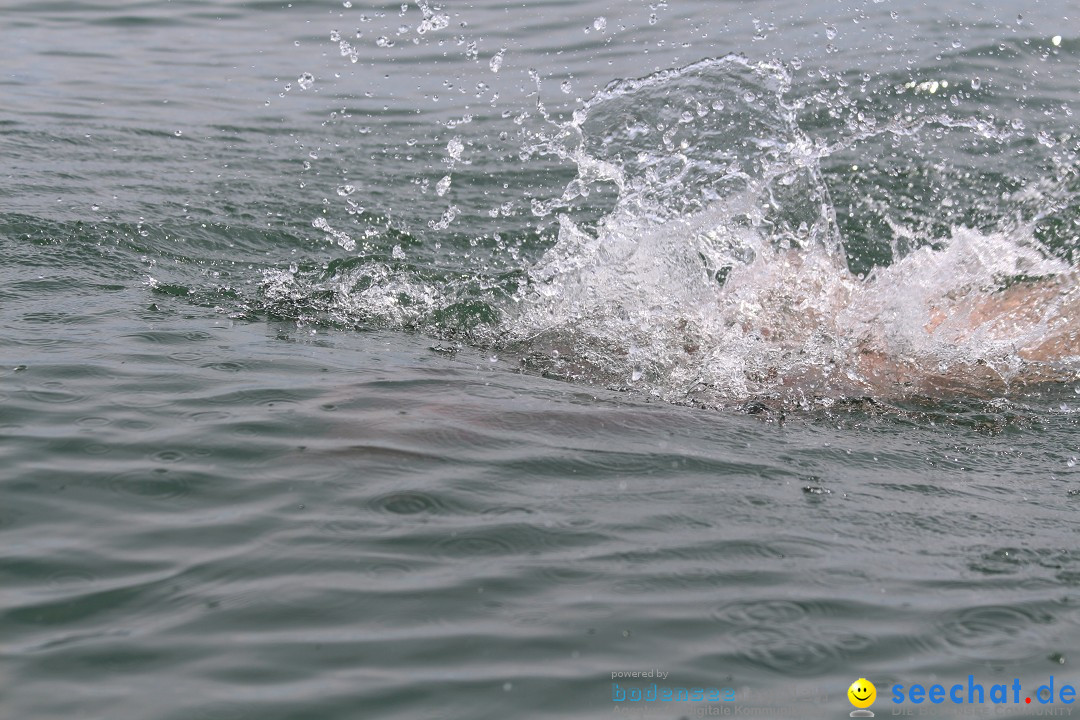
[{"x": 862, "y": 693}]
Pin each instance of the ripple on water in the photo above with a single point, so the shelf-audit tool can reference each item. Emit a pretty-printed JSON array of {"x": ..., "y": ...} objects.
[
  {"x": 458, "y": 438},
  {"x": 490, "y": 392},
  {"x": 563, "y": 573},
  {"x": 384, "y": 568},
  {"x": 1012, "y": 560},
  {"x": 210, "y": 416},
  {"x": 259, "y": 397},
  {"x": 797, "y": 650},
  {"x": 747, "y": 613},
  {"x": 226, "y": 366},
  {"x": 508, "y": 510},
  {"x": 168, "y": 456},
  {"x": 320, "y": 582},
  {"x": 69, "y": 577},
  {"x": 55, "y": 397},
  {"x": 476, "y": 544},
  {"x": 511, "y": 539},
  {"x": 166, "y": 337},
  {"x": 703, "y": 565},
  {"x": 334, "y": 531},
  {"x": 186, "y": 356},
  {"x": 157, "y": 484},
  {"x": 411, "y": 502},
  {"x": 740, "y": 552},
  {"x": 996, "y": 632},
  {"x": 44, "y": 341}
]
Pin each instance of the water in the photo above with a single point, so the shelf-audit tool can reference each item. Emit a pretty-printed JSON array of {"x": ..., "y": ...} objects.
[{"x": 443, "y": 360}]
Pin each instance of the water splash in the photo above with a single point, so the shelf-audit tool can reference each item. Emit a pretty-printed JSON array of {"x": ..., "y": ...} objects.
[
  {"x": 726, "y": 238},
  {"x": 720, "y": 274}
]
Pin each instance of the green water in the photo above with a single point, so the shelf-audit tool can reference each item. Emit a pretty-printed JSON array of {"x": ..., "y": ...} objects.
[{"x": 254, "y": 469}]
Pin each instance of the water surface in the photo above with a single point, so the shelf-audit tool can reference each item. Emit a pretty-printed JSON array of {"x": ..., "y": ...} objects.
[{"x": 393, "y": 361}]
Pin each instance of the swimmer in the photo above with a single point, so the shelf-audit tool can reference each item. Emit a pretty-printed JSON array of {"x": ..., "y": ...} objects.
[
  {"x": 834, "y": 336},
  {"x": 1035, "y": 326},
  {"x": 796, "y": 325}
]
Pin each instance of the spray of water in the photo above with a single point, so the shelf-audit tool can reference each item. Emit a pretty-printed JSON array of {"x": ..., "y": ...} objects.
[{"x": 720, "y": 274}]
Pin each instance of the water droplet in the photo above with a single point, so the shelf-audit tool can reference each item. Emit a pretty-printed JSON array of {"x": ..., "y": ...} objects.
[
  {"x": 178, "y": 133},
  {"x": 1056, "y": 40},
  {"x": 976, "y": 83},
  {"x": 345, "y": 190},
  {"x": 335, "y": 36},
  {"x": 830, "y": 31},
  {"x": 566, "y": 87},
  {"x": 652, "y": 19},
  {"x": 497, "y": 60},
  {"x": 442, "y": 186},
  {"x": 347, "y": 4},
  {"x": 454, "y": 148},
  {"x": 600, "y": 23},
  {"x": 448, "y": 217},
  {"x": 432, "y": 20},
  {"x": 305, "y": 81},
  {"x": 384, "y": 42}
]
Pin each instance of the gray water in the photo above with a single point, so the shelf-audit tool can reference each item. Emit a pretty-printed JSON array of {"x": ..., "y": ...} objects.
[{"x": 404, "y": 387}]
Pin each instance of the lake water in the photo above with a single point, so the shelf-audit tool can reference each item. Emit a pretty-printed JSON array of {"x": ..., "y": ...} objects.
[{"x": 447, "y": 360}]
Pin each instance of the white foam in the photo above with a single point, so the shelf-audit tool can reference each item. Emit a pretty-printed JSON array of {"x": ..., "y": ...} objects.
[{"x": 719, "y": 275}]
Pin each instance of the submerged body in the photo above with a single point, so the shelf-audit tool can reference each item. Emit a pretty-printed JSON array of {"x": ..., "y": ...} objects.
[
  {"x": 1031, "y": 332},
  {"x": 793, "y": 327},
  {"x": 923, "y": 326}
]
